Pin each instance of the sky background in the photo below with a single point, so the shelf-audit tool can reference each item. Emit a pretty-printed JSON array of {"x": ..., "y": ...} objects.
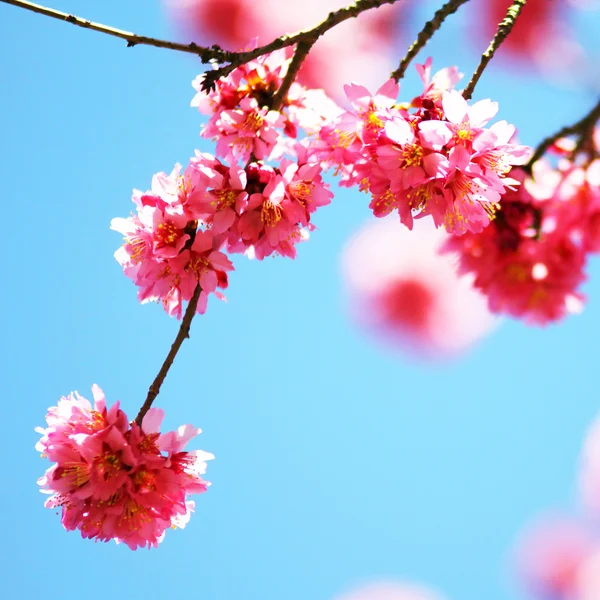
[{"x": 336, "y": 462}]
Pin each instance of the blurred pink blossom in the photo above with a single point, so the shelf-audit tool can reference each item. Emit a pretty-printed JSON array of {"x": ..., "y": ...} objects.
[
  {"x": 402, "y": 289},
  {"x": 384, "y": 590},
  {"x": 550, "y": 555},
  {"x": 588, "y": 578},
  {"x": 589, "y": 478},
  {"x": 356, "y": 49}
]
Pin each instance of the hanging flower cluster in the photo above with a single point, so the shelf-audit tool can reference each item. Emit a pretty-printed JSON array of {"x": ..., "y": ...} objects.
[
  {"x": 530, "y": 261},
  {"x": 434, "y": 157},
  {"x": 116, "y": 480}
]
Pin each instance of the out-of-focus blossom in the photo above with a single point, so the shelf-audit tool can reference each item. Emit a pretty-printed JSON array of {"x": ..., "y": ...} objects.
[
  {"x": 587, "y": 585},
  {"x": 358, "y": 48},
  {"x": 589, "y": 475},
  {"x": 403, "y": 290},
  {"x": 535, "y": 15},
  {"x": 550, "y": 555},
  {"x": 387, "y": 590},
  {"x": 116, "y": 480}
]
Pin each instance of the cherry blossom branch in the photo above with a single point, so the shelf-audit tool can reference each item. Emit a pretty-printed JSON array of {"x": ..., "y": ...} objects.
[
  {"x": 504, "y": 28},
  {"x": 206, "y": 54},
  {"x": 583, "y": 129},
  {"x": 426, "y": 34},
  {"x": 301, "y": 52},
  {"x": 182, "y": 334},
  {"x": 304, "y": 35},
  {"x": 214, "y": 53}
]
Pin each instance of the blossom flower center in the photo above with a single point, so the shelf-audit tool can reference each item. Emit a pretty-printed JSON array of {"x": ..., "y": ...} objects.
[
  {"x": 226, "y": 198},
  {"x": 148, "y": 444},
  {"x": 373, "y": 122},
  {"x": 270, "y": 213},
  {"x": 464, "y": 132},
  {"x": 134, "y": 516},
  {"x": 77, "y": 472},
  {"x": 144, "y": 480},
  {"x": 108, "y": 464},
  {"x": 301, "y": 190},
  {"x": 411, "y": 155},
  {"x": 343, "y": 139},
  {"x": 252, "y": 123},
  {"x": 198, "y": 264},
  {"x": 167, "y": 234}
]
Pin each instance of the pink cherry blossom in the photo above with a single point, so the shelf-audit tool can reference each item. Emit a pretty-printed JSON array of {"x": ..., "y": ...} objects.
[
  {"x": 241, "y": 119},
  {"x": 115, "y": 480},
  {"x": 434, "y": 157},
  {"x": 167, "y": 249},
  {"x": 404, "y": 291}
]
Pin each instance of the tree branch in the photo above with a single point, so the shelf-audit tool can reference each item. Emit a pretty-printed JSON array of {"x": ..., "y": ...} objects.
[
  {"x": 504, "y": 28},
  {"x": 182, "y": 334},
  {"x": 426, "y": 34},
  {"x": 214, "y": 53},
  {"x": 300, "y": 54},
  {"x": 304, "y": 35},
  {"x": 132, "y": 39},
  {"x": 584, "y": 128}
]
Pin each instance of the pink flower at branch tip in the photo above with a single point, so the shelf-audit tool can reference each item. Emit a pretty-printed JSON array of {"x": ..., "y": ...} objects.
[
  {"x": 404, "y": 291},
  {"x": 115, "y": 480}
]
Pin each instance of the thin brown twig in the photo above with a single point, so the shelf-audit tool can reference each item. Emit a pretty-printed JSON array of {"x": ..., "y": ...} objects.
[
  {"x": 310, "y": 35},
  {"x": 504, "y": 28},
  {"x": 182, "y": 334},
  {"x": 583, "y": 128},
  {"x": 426, "y": 34},
  {"x": 132, "y": 39},
  {"x": 213, "y": 53},
  {"x": 300, "y": 54}
]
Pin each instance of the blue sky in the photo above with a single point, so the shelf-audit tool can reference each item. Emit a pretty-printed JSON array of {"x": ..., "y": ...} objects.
[{"x": 337, "y": 463}]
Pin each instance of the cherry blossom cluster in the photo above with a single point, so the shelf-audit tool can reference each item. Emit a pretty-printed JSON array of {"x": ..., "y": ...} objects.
[
  {"x": 435, "y": 156},
  {"x": 235, "y": 202},
  {"x": 116, "y": 480},
  {"x": 530, "y": 261}
]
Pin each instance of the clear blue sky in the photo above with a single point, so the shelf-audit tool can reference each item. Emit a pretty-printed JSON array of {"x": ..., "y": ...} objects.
[{"x": 336, "y": 462}]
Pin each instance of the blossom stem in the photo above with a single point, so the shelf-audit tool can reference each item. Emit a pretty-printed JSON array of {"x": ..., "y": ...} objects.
[
  {"x": 426, "y": 34},
  {"x": 216, "y": 53},
  {"x": 301, "y": 52},
  {"x": 504, "y": 28},
  {"x": 583, "y": 128},
  {"x": 182, "y": 334}
]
